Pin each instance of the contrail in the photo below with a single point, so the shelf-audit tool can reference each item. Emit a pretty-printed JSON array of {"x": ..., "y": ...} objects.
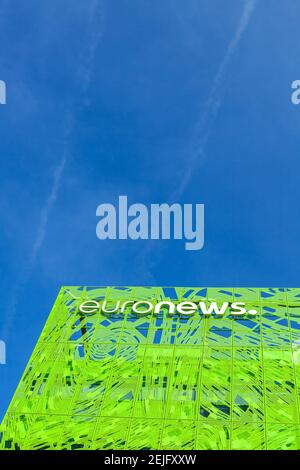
[
  {"x": 58, "y": 173},
  {"x": 195, "y": 151},
  {"x": 96, "y": 20}
]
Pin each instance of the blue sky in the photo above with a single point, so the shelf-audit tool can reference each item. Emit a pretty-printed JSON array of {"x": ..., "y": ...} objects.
[{"x": 115, "y": 97}]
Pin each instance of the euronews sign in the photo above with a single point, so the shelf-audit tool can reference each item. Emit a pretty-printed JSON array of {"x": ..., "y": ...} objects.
[{"x": 184, "y": 308}]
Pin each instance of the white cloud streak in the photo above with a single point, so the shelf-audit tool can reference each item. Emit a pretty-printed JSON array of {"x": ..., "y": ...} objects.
[
  {"x": 96, "y": 22},
  {"x": 195, "y": 151}
]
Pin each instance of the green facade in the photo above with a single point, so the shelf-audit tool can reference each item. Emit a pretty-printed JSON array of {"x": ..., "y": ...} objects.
[{"x": 128, "y": 381}]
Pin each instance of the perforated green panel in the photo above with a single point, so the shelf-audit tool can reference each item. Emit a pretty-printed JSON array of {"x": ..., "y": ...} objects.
[{"x": 127, "y": 381}]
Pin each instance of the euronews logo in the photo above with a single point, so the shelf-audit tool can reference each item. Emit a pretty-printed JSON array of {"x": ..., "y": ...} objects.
[{"x": 145, "y": 307}]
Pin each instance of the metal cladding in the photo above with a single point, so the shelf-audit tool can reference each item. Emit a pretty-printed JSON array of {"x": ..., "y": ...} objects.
[{"x": 158, "y": 381}]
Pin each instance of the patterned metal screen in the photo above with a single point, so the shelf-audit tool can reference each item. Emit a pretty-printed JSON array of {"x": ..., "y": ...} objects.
[{"x": 128, "y": 381}]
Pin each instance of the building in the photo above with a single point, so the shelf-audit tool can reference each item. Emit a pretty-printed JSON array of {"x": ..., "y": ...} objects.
[{"x": 162, "y": 381}]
